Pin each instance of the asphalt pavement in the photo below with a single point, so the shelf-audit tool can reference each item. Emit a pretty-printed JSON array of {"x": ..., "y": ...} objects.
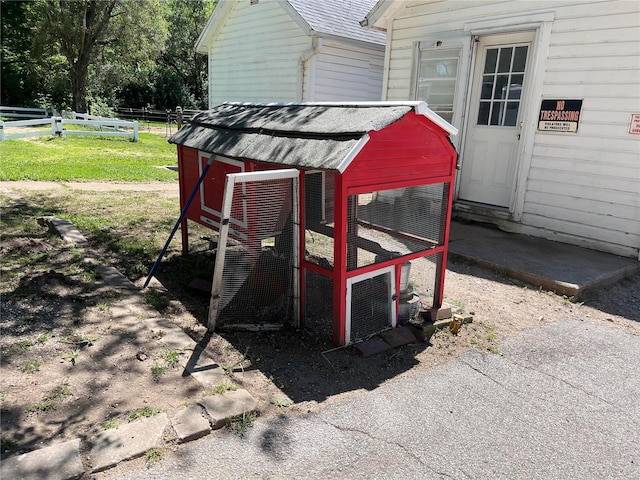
[{"x": 562, "y": 402}]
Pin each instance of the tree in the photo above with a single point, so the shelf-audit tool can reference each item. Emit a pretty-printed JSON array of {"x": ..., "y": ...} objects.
[
  {"x": 25, "y": 81},
  {"x": 186, "y": 20},
  {"x": 85, "y": 31}
]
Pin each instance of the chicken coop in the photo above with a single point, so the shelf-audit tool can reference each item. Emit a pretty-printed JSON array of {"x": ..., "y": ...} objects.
[{"x": 328, "y": 216}]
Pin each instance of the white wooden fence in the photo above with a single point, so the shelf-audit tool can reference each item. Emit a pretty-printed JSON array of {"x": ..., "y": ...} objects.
[
  {"x": 26, "y": 113},
  {"x": 110, "y": 127}
]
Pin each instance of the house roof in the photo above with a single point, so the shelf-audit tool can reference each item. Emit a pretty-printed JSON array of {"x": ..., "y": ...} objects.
[
  {"x": 340, "y": 18},
  {"x": 323, "y": 136}
]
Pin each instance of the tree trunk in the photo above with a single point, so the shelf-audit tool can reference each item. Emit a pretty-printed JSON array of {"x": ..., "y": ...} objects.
[{"x": 78, "y": 74}]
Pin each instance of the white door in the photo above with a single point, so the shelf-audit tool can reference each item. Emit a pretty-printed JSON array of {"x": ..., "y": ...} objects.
[{"x": 490, "y": 155}]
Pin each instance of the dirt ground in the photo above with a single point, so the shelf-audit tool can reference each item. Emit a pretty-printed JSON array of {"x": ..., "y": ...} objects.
[{"x": 75, "y": 355}]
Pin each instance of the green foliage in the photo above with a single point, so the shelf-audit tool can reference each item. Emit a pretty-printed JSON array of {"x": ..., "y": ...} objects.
[
  {"x": 88, "y": 158},
  {"x": 63, "y": 54}
]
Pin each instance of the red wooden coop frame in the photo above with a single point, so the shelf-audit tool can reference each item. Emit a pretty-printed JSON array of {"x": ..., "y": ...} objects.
[{"x": 373, "y": 195}]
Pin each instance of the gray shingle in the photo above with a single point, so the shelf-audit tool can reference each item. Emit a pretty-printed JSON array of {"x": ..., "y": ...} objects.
[{"x": 339, "y": 17}]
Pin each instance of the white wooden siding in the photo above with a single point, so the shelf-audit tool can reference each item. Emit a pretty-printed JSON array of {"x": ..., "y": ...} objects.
[
  {"x": 581, "y": 188},
  {"x": 256, "y": 55},
  {"x": 348, "y": 72}
]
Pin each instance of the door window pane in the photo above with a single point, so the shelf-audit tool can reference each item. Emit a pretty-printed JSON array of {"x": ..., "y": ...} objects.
[
  {"x": 483, "y": 113},
  {"x": 515, "y": 89},
  {"x": 497, "y": 113},
  {"x": 511, "y": 115},
  {"x": 500, "y": 83},
  {"x": 490, "y": 61},
  {"x": 487, "y": 87},
  {"x": 519, "y": 59},
  {"x": 504, "y": 65}
]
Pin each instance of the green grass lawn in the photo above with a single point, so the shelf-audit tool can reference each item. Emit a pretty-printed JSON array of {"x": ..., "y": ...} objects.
[{"x": 81, "y": 159}]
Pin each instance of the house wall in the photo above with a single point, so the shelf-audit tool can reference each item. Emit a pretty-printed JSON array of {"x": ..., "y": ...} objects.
[
  {"x": 256, "y": 55},
  {"x": 347, "y": 72},
  {"x": 581, "y": 188}
]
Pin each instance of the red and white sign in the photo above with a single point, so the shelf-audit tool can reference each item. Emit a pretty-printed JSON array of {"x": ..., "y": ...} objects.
[{"x": 634, "y": 124}]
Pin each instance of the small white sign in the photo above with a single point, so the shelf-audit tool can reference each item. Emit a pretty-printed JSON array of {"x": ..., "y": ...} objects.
[{"x": 634, "y": 124}]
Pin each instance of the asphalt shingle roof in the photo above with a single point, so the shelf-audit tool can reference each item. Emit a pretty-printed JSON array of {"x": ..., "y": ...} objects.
[
  {"x": 319, "y": 136},
  {"x": 339, "y": 17}
]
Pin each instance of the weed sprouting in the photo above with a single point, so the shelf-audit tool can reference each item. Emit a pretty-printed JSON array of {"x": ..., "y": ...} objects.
[
  {"x": 154, "y": 455},
  {"x": 143, "y": 412},
  {"x": 110, "y": 424},
  {"x": 31, "y": 366},
  {"x": 241, "y": 423}
]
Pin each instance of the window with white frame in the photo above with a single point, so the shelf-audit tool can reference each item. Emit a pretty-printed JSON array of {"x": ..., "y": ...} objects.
[{"x": 436, "y": 72}]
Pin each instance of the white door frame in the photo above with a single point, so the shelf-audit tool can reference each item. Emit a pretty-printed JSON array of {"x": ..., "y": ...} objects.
[
  {"x": 391, "y": 270},
  {"x": 225, "y": 219},
  {"x": 540, "y": 23}
]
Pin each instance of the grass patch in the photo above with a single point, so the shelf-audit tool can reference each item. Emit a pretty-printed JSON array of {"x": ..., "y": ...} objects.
[
  {"x": 241, "y": 423},
  {"x": 281, "y": 402},
  {"x": 171, "y": 357},
  {"x": 157, "y": 371},
  {"x": 72, "y": 356},
  {"x": 223, "y": 388},
  {"x": 154, "y": 455},
  {"x": 22, "y": 346},
  {"x": 110, "y": 424},
  {"x": 88, "y": 158},
  {"x": 157, "y": 300},
  {"x": 50, "y": 400},
  {"x": 32, "y": 366},
  {"x": 143, "y": 412}
]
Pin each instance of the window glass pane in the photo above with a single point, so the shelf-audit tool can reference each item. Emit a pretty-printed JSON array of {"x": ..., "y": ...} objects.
[
  {"x": 511, "y": 116},
  {"x": 520, "y": 59},
  {"x": 487, "y": 87},
  {"x": 490, "y": 61},
  {"x": 504, "y": 64},
  {"x": 436, "y": 83},
  {"x": 483, "y": 113},
  {"x": 502, "y": 82},
  {"x": 515, "y": 89},
  {"x": 497, "y": 113}
]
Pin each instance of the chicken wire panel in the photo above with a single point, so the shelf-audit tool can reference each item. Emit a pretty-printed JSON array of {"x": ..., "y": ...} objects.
[
  {"x": 370, "y": 306},
  {"x": 423, "y": 278},
  {"x": 319, "y": 220},
  {"x": 257, "y": 276},
  {"x": 318, "y": 309},
  {"x": 389, "y": 223}
]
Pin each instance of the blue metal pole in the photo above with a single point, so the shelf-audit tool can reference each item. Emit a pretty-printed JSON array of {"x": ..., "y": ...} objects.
[{"x": 175, "y": 228}]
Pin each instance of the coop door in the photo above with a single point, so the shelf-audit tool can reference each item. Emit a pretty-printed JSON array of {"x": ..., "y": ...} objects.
[
  {"x": 255, "y": 278},
  {"x": 370, "y": 304}
]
